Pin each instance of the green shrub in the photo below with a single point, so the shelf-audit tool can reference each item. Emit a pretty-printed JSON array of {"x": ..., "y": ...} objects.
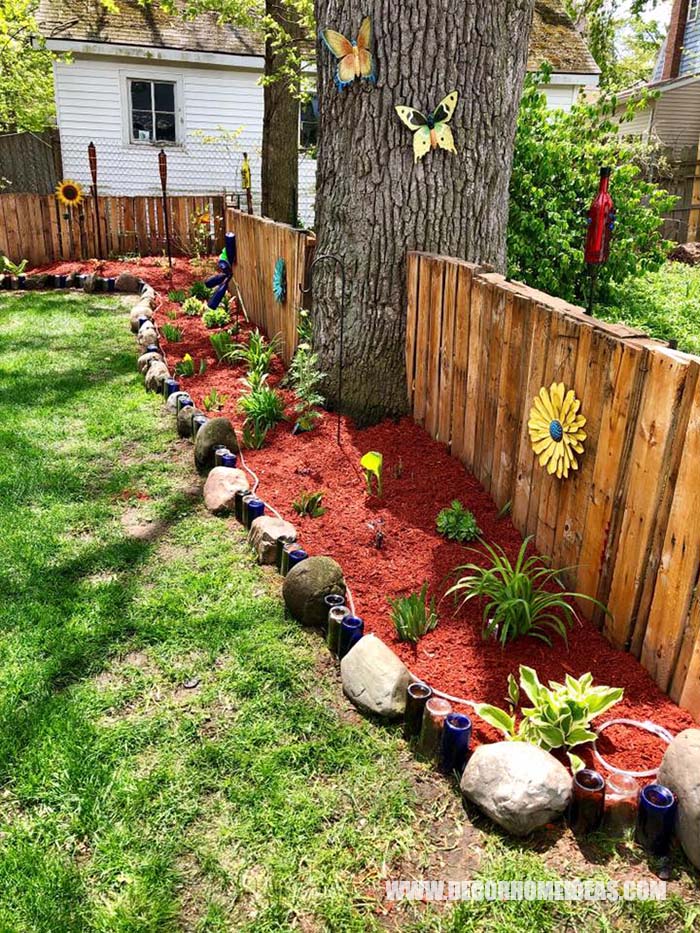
[
  {"x": 222, "y": 343},
  {"x": 310, "y": 503},
  {"x": 171, "y": 333},
  {"x": 192, "y": 307},
  {"x": 257, "y": 354},
  {"x": 560, "y": 715},
  {"x": 217, "y": 317},
  {"x": 414, "y": 616},
  {"x": 457, "y": 523},
  {"x": 199, "y": 290},
  {"x": 186, "y": 366},
  {"x": 518, "y": 601},
  {"x": 177, "y": 295},
  {"x": 264, "y": 407},
  {"x": 305, "y": 377}
]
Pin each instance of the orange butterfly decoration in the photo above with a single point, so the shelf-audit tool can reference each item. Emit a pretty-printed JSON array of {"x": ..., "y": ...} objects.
[{"x": 355, "y": 59}]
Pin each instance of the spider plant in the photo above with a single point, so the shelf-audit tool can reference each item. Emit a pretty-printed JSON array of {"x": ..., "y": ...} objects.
[
  {"x": 414, "y": 616},
  {"x": 263, "y": 406},
  {"x": 519, "y": 599}
]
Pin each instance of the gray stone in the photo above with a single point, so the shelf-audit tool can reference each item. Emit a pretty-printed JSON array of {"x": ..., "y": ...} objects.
[
  {"x": 264, "y": 533},
  {"x": 148, "y": 294},
  {"x": 184, "y": 420},
  {"x": 680, "y": 772},
  {"x": 171, "y": 402},
  {"x": 127, "y": 282},
  {"x": 221, "y": 487},
  {"x": 145, "y": 360},
  {"x": 519, "y": 786},
  {"x": 306, "y": 585},
  {"x": 147, "y": 335},
  {"x": 216, "y": 432},
  {"x": 139, "y": 310},
  {"x": 374, "y": 678},
  {"x": 156, "y": 374},
  {"x": 93, "y": 283}
]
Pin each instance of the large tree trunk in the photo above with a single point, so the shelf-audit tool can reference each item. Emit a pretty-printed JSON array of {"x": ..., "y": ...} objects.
[
  {"x": 373, "y": 203},
  {"x": 280, "y": 144}
]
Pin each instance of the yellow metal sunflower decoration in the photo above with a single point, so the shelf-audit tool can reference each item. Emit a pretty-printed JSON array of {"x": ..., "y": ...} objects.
[
  {"x": 555, "y": 427},
  {"x": 69, "y": 193}
]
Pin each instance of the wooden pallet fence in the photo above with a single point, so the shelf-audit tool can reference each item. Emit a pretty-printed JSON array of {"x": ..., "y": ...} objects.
[
  {"x": 478, "y": 349},
  {"x": 260, "y": 243},
  {"x": 39, "y": 229}
]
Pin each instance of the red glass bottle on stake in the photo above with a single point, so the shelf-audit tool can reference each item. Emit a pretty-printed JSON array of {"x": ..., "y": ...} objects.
[
  {"x": 163, "y": 169},
  {"x": 601, "y": 220}
]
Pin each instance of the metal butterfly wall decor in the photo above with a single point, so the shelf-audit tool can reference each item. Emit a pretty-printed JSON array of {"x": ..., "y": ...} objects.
[
  {"x": 355, "y": 59},
  {"x": 432, "y": 131}
]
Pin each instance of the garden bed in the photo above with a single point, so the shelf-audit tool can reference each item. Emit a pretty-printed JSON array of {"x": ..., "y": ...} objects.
[{"x": 420, "y": 478}]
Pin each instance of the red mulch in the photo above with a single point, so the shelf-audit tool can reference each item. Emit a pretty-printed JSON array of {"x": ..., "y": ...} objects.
[{"x": 420, "y": 478}]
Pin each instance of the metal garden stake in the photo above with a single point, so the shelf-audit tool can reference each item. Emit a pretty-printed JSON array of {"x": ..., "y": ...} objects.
[
  {"x": 92, "y": 158},
  {"x": 163, "y": 169}
]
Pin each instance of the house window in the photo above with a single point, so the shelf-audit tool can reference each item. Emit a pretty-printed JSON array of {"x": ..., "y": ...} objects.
[
  {"x": 152, "y": 105},
  {"x": 693, "y": 10},
  {"x": 308, "y": 125}
]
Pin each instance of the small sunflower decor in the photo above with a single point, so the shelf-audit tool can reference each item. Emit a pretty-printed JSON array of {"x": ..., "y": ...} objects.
[
  {"x": 279, "y": 281},
  {"x": 69, "y": 193},
  {"x": 555, "y": 427}
]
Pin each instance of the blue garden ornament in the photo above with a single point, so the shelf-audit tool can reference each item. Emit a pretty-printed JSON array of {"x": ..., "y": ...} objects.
[
  {"x": 279, "y": 281},
  {"x": 221, "y": 281}
]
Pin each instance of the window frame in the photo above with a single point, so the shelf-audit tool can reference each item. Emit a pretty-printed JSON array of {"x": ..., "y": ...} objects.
[
  {"x": 693, "y": 9},
  {"x": 173, "y": 78}
]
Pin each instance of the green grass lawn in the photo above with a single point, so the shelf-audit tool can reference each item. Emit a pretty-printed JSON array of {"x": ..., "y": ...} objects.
[
  {"x": 175, "y": 755},
  {"x": 665, "y": 303}
]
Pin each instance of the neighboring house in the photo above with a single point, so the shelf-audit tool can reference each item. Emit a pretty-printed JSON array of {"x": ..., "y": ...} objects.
[{"x": 140, "y": 80}]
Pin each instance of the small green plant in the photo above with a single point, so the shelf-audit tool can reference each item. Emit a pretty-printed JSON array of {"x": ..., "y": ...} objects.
[
  {"x": 192, "y": 307},
  {"x": 185, "y": 367},
  {"x": 254, "y": 435},
  {"x": 310, "y": 503},
  {"x": 177, "y": 295},
  {"x": 372, "y": 464},
  {"x": 200, "y": 291},
  {"x": 214, "y": 401},
  {"x": 263, "y": 406},
  {"x": 222, "y": 343},
  {"x": 518, "y": 601},
  {"x": 171, "y": 333},
  {"x": 414, "y": 616},
  {"x": 305, "y": 377},
  {"x": 457, "y": 523},
  {"x": 560, "y": 715},
  {"x": 257, "y": 353},
  {"x": 13, "y": 268},
  {"x": 215, "y": 317}
]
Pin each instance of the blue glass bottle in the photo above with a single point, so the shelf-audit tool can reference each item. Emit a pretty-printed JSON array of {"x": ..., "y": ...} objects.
[
  {"x": 656, "y": 818},
  {"x": 229, "y": 460},
  {"x": 198, "y": 421},
  {"x": 352, "y": 628},
  {"x": 454, "y": 745},
  {"x": 170, "y": 386},
  {"x": 255, "y": 509},
  {"x": 296, "y": 556}
]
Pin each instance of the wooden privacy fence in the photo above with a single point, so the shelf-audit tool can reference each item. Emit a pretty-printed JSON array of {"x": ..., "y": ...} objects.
[
  {"x": 260, "y": 243},
  {"x": 37, "y": 228},
  {"x": 478, "y": 349}
]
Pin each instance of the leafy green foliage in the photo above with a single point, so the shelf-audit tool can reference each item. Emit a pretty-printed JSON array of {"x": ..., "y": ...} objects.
[
  {"x": 26, "y": 89},
  {"x": 310, "y": 503},
  {"x": 254, "y": 434},
  {"x": 177, "y": 295},
  {"x": 560, "y": 715},
  {"x": 222, "y": 343},
  {"x": 214, "y": 400},
  {"x": 186, "y": 366},
  {"x": 555, "y": 175},
  {"x": 263, "y": 406},
  {"x": 257, "y": 353},
  {"x": 200, "y": 291},
  {"x": 518, "y": 598},
  {"x": 216, "y": 317},
  {"x": 192, "y": 307},
  {"x": 414, "y": 616},
  {"x": 457, "y": 523},
  {"x": 171, "y": 333},
  {"x": 305, "y": 376},
  {"x": 7, "y": 267}
]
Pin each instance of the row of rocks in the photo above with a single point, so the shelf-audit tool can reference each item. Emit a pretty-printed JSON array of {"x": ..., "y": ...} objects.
[{"x": 125, "y": 282}]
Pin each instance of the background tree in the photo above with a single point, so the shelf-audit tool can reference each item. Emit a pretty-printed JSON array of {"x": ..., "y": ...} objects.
[
  {"x": 26, "y": 75},
  {"x": 374, "y": 204}
]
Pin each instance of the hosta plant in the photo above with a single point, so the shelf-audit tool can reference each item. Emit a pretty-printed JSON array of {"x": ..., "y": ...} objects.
[
  {"x": 192, "y": 307},
  {"x": 14, "y": 268},
  {"x": 521, "y": 598},
  {"x": 310, "y": 503},
  {"x": 560, "y": 715},
  {"x": 457, "y": 523},
  {"x": 215, "y": 317},
  {"x": 413, "y": 616}
]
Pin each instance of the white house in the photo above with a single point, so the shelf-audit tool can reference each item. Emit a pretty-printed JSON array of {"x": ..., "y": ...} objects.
[{"x": 139, "y": 81}]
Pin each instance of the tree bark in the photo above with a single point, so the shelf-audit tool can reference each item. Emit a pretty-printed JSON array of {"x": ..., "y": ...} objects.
[
  {"x": 280, "y": 143},
  {"x": 373, "y": 203}
]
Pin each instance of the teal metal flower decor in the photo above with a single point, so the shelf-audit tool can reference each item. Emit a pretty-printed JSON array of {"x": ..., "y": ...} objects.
[{"x": 279, "y": 281}]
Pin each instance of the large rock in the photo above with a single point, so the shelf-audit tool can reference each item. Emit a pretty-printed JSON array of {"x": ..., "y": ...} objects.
[
  {"x": 147, "y": 335},
  {"x": 156, "y": 374},
  {"x": 215, "y": 433},
  {"x": 127, "y": 282},
  {"x": 184, "y": 420},
  {"x": 264, "y": 533},
  {"x": 221, "y": 487},
  {"x": 145, "y": 360},
  {"x": 171, "y": 401},
  {"x": 148, "y": 293},
  {"x": 138, "y": 311},
  {"x": 680, "y": 771},
  {"x": 306, "y": 585},
  {"x": 519, "y": 786},
  {"x": 374, "y": 678}
]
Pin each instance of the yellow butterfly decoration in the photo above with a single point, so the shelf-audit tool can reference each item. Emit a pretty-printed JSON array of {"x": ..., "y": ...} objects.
[
  {"x": 355, "y": 59},
  {"x": 432, "y": 131}
]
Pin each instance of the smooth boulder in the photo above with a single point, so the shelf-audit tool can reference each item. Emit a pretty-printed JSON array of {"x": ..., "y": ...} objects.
[
  {"x": 171, "y": 401},
  {"x": 147, "y": 335},
  {"x": 215, "y": 433},
  {"x": 519, "y": 786},
  {"x": 156, "y": 374},
  {"x": 680, "y": 772},
  {"x": 221, "y": 487},
  {"x": 306, "y": 585},
  {"x": 127, "y": 282},
  {"x": 264, "y": 534},
  {"x": 184, "y": 420},
  {"x": 374, "y": 678},
  {"x": 145, "y": 360},
  {"x": 138, "y": 311}
]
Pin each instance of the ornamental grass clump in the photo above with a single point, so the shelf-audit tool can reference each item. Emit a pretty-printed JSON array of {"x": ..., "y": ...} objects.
[
  {"x": 414, "y": 616},
  {"x": 171, "y": 333},
  {"x": 518, "y": 596},
  {"x": 257, "y": 354},
  {"x": 457, "y": 523},
  {"x": 560, "y": 715},
  {"x": 264, "y": 406}
]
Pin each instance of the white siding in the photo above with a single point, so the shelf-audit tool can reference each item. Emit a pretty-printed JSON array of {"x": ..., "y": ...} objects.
[{"x": 560, "y": 96}]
